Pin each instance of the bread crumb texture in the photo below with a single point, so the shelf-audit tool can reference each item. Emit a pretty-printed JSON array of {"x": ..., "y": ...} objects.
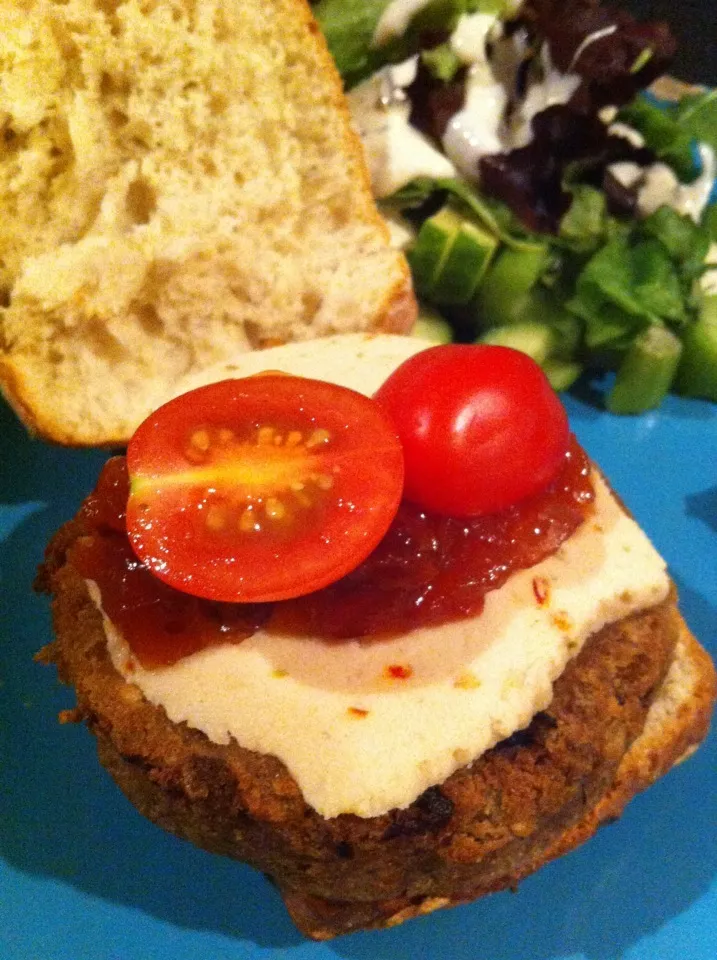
[{"x": 180, "y": 181}]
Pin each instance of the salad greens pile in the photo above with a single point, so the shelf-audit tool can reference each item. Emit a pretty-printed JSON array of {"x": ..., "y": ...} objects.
[{"x": 585, "y": 285}]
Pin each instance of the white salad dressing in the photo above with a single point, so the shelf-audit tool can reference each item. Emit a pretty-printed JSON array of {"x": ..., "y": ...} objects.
[
  {"x": 590, "y": 40},
  {"x": 396, "y": 152},
  {"x": 475, "y": 131},
  {"x": 661, "y": 187},
  {"x": 471, "y": 36},
  {"x": 634, "y": 137},
  {"x": 657, "y": 185},
  {"x": 555, "y": 89}
]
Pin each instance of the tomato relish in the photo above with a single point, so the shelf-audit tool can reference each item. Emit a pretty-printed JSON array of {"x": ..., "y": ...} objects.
[{"x": 428, "y": 569}]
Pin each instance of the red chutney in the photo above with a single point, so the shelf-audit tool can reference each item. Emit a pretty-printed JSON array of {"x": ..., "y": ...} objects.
[{"x": 427, "y": 570}]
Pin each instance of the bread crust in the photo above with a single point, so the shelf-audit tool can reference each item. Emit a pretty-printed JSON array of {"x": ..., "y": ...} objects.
[
  {"x": 397, "y": 315},
  {"x": 536, "y": 795}
]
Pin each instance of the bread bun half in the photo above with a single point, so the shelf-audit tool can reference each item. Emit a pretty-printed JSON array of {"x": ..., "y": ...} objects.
[{"x": 180, "y": 184}]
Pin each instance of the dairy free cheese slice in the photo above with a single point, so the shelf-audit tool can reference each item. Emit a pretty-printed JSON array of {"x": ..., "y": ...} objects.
[{"x": 364, "y": 727}]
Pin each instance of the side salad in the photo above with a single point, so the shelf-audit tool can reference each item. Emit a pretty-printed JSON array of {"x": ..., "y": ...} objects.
[{"x": 545, "y": 200}]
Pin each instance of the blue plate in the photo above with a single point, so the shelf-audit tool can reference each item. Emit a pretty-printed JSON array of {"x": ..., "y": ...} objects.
[{"x": 84, "y": 877}]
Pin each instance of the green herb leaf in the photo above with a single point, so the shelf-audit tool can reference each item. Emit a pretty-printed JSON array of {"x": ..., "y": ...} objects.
[
  {"x": 583, "y": 226},
  {"x": 663, "y": 133},
  {"x": 656, "y": 283},
  {"x": 625, "y": 287},
  {"x": 442, "y": 62},
  {"x": 709, "y": 222},
  {"x": 696, "y": 115},
  {"x": 685, "y": 241}
]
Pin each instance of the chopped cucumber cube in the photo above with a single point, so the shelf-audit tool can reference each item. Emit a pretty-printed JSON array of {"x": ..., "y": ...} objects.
[
  {"x": 431, "y": 326},
  {"x": 697, "y": 372},
  {"x": 431, "y": 248},
  {"x": 465, "y": 264},
  {"x": 646, "y": 372},
  {"x": 562, "y": 374},
  {"x": 542, "y": 306},
  {"x": 708, "y": 308},
  {"x": 535, "y": 339},
  {"x": 511, "y": 276}
]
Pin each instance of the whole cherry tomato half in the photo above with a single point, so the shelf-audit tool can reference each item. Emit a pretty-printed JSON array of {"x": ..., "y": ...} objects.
[
  {"x": 481, "y": 427},
  {"x": 262, "y": 488}
]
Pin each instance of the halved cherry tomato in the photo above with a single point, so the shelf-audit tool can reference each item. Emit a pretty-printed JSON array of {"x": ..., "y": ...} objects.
[
  {"x": 263, "y": 488},
  {"x": 481, "y": 427}
]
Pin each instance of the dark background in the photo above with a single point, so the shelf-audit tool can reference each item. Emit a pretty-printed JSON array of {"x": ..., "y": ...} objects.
[{"x": 694, "y": 23}]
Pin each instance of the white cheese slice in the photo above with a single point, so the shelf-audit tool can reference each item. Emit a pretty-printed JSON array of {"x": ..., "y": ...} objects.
[
  {"x": 359, "y": 361},
  {"x": 358, "y": 740}
]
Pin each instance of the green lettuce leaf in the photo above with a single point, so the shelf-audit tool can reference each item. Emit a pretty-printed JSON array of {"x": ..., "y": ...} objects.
[{"x": 624, "y": 288}]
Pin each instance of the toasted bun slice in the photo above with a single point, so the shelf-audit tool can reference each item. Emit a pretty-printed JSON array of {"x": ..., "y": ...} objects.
[{"x": 180, "y": 184}]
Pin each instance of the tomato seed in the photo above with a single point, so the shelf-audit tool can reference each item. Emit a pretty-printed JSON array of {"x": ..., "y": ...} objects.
[
  {"x": 194, "y": 454},
  {"x": 324, "y": 481},
  {"x": 201, "y": 440},
  {"x": 302, "y": 498},
  {"x": 275, "y": 509},
  {"x": 216, "y": 518},
  {"x": 319, "y": 436},
  {"x": 247, "y": 521}
]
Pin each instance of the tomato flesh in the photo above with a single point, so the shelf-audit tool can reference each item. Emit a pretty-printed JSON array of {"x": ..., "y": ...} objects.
[
  {"x": 481, "y": 428},
  {"x": 261, "y": 489}
]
